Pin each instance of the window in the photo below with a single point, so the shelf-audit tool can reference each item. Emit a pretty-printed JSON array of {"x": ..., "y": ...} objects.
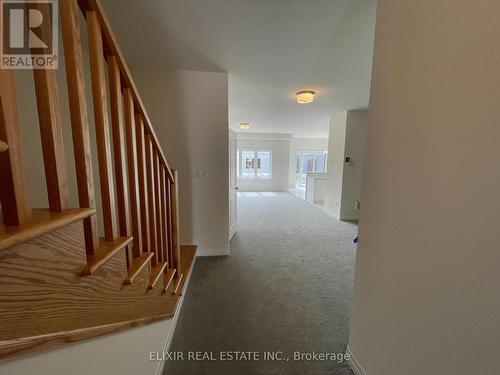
[
  {"x": 309, "y": 162},
  {"x": 254, "y": 164}
]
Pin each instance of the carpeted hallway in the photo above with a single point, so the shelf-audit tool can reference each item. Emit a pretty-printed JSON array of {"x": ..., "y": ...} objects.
[{"x": 286, "y": 287}]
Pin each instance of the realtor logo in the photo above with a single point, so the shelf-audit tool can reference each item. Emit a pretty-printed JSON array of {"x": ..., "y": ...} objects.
[{"x": 29, "y": 34}]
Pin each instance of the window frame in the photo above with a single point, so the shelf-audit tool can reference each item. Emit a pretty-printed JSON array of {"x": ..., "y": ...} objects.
[
  {"x": 301, "y": 164},
  {"x": 255, "y": 175}
]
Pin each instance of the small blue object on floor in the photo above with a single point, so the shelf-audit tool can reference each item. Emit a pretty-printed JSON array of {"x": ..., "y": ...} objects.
[{"x": 355, "y": 240}]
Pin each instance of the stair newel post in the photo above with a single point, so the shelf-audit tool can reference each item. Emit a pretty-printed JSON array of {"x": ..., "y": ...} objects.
[
  {"x": 14, "y": 197},
  {"x": 79, "y": 118}
]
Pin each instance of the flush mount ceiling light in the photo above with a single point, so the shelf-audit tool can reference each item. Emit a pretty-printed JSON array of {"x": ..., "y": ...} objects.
[
  {"x": 305, "y": 96},
  {"x": 245, "y": 125}
]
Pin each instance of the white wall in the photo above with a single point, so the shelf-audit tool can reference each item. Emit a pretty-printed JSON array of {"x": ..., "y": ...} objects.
[
  {"x": 426, "y": 297},
  {"x": 355, "y": 145},
  {"x": 279, "y": 145},
  {"x": 189, "y": 110},
  {"x": 335, "y": 164},
  {"x": 303, "y": 144},
  {"x": 344, "y": 180}
]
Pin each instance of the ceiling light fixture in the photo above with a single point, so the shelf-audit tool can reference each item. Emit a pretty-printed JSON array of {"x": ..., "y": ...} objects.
[
  {"x": 245, "y": 125},
  {"x": 305, "y": 96}
]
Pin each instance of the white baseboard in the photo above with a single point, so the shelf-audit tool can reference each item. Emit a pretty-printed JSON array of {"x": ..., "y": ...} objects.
[
  {"x": 175, "y": 318},
  {"x": 354, "y": 364},
  {"x": 212, "y": 252}
]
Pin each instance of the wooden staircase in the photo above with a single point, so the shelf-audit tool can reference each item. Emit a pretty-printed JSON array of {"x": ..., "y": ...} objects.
[{"x": 60, "y": 282}]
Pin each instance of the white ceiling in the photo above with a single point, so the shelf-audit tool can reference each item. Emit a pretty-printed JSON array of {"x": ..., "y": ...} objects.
[{"x": 270, "y": 48}]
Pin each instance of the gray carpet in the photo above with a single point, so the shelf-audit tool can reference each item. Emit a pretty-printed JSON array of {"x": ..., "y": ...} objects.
[{"x": 286, "y": 287}]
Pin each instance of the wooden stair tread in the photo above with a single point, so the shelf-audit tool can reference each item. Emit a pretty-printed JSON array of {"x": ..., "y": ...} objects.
[
  {"x": 137, "y": 265},
  {"x": 105, "y": 251},
  {"x": 43, "y": 221},
  {"x": 168, "y": 278},
  {"x": 156, "y": 273}
]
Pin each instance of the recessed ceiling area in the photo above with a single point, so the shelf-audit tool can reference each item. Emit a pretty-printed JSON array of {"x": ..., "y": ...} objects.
[{"x": 270, "y": 49}]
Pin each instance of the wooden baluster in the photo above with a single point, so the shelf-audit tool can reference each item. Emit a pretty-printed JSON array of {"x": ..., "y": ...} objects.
[
  {"x": 170, "y": 238},
  {"x": 151, "y": 198},
  {"x": 16, "y": 208},
  {"x": 175, "y": 225},
  {"x": 49, "y": 119},
  {"x": 102, "y": 125},
  {"x": 133, "y": 177},
  {"x": 52, "y": 138},
  {"x": 116, "y": 102},
  {"x": 163, "y": 211},
  {"x": 143, "y": 178},
  {"x": 79, "y": 120},
  {"x": 158, "y": 203}
]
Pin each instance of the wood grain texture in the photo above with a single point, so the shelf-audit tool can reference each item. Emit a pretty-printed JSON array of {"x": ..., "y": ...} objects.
[
  {"x": 105, "y": 252},
  {"x": 153, "y": 240},
  {"x": 79, "y": 117},
  {"x": 45, "y": 302},
  {"x": 118, "y": 132},
  {"x": 170, "y": 238},
  {"x": 100, "y": 101},
  {"x": 3, "y": 146},
  {"x": 49, "y": 119},
  {"x": 168, "y": 280},
  {"x": 158, "y": 212},
  {"x": 163, "y": 212},
  {"x": 43, "y": 221},
  {"x": 133, "y": 174},
  {"x": 137, "y": 265},
  {"x": 176, "y": 257},
  {"x": 112, "y": 47},
  {"x": 14, "y": 198},
  {"x": 156, "y": 274},
  {"x": 142, "y": 183}
]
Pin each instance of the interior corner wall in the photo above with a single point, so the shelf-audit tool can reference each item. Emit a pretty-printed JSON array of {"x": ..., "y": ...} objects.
[
  {"x": 335, "y": 163},
  {"x": 280, "y": 150},
  {"x": 303, "y": 144},
  {"x": 352, "y": 180},
  {"x": 190, "y": 113},
  {"x": 426, "y": 297}
]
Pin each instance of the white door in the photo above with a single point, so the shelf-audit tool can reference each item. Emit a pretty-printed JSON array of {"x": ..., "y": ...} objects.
[{"x": 232, "y": 184}]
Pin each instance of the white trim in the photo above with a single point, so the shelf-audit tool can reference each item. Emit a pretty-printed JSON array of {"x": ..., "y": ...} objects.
[
  {"x": 255, "y": 150},
  {"x": 175, "y": 318},
  {"x": 354, "y": 363},
  {"x": 265, "y": 136},
  {"x": 213, "y": 252},
  {"x": 232, "y": 231}
]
